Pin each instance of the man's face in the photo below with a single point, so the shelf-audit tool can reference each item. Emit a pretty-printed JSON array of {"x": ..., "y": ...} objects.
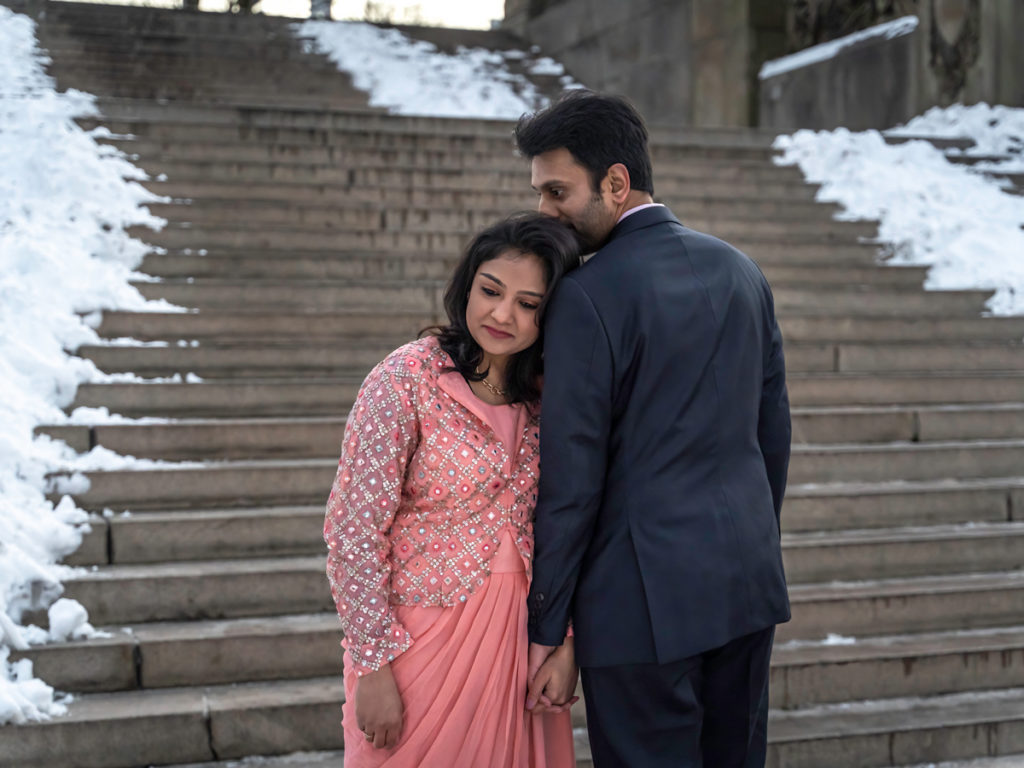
[{"x": 567, "y": 195}]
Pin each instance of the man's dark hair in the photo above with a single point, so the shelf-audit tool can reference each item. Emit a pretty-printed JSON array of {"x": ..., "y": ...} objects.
[
  {"x": 598, "y": 130},
  {"x": 522, "y": 233}
]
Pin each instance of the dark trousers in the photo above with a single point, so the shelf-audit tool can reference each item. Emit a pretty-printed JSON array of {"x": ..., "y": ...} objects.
[{"x": 706, "y": 711}]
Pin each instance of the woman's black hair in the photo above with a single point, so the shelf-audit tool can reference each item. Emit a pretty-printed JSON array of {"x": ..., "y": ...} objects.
[{"x": 521, "y": 233}]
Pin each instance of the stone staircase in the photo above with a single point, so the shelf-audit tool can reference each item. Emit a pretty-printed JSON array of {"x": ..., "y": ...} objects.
[{"x": 310, "y": 236}]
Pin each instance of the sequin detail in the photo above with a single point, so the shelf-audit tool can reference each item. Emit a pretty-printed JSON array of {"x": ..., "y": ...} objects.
[{"x": 418, "y": 502}]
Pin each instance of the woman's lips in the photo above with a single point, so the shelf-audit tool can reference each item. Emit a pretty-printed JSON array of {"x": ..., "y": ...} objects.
[{"x": 496, "y": 333}]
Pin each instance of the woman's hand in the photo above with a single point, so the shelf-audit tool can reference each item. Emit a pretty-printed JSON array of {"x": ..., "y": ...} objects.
[
  {"x": 553, "y": 687},
  {"x": 379, "y": 708}
]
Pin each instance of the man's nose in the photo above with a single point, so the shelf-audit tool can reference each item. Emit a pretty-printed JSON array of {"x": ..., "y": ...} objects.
[{"x": 547, "y": 208}]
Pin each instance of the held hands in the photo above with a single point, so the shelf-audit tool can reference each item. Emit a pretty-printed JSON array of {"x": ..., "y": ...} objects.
[
  {"x": 379, "y": 708},
  {"x": 552, "y": 676}
]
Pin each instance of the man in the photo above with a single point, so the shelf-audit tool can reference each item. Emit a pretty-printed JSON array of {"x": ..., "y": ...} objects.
[{"x": 664, "y": 449}]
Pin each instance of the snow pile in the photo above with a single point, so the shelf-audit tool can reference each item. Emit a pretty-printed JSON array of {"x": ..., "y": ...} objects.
[
  {"x": 932, "y": 211},
  {"x": 63, "y": 253},
  {"x": 412, "y": 77},
  {"x": 995, "y": 130}
]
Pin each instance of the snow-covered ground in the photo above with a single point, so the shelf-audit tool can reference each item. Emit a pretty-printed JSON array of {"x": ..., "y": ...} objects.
[
  {"x": 63, "y": 255},
  {"x": 955, "y": 218},
  {"x": 412, "y": 77}
]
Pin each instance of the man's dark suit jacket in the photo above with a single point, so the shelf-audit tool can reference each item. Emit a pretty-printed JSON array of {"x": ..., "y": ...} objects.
[{"x": 665, "y": 438}]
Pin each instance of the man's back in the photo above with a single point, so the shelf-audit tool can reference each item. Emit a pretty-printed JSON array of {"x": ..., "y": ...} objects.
[{"x": 684, "y": 384}]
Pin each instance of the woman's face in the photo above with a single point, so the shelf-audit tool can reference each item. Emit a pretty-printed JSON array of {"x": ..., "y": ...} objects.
[{"x": 502, "y": 309}]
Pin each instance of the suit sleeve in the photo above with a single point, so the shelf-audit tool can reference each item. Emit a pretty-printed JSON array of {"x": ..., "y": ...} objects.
[
  {"x": 575, "y": 422},
  {"x": 774, "y": 431}
]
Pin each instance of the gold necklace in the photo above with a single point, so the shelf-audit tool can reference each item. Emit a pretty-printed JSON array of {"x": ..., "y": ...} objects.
[{"x": 496, "y": 391}]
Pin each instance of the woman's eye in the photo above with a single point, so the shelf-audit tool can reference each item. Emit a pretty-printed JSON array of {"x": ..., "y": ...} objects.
[
  {"x": 527, "y": 305},
  {"x": 489, "y": 291}
]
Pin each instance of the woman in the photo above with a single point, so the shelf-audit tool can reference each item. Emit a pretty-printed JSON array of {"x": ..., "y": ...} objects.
[{"x": 429, "y": 526}]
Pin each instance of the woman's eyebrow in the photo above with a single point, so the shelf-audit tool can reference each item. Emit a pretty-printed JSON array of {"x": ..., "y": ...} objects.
[{"x": 492, "y": 277}]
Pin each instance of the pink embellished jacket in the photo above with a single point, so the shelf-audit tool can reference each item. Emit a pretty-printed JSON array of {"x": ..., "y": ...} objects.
[{"x": 423, "y": 490}]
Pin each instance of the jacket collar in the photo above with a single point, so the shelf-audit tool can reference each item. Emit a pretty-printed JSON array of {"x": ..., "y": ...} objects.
[{"x": 648, "y": 217}]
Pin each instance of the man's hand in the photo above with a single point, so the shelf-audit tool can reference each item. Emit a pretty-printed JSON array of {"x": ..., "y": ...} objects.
[
  {"x": 552, "y": 687},
  {"x": 379, "y": 708}
]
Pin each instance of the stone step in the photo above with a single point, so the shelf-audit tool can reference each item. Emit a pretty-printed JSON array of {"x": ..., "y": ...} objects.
[
  {"x": 777, "y": 197},
  {"x": 212, "y": 360},
  {"x": 769, "y": 253},
  {"x": 210, "y": 199},
  {"x": 839, "y": 329},
  {"x": 123, "y": 594},
  {"x": 349, "y": 149},
  {"x": 312, "y": 437},
  {"x": 307, "y": 266},
  {"x": 188, "y": 535},
  {"x": 128, "y": 16},
  {"x": 239, "y": 399},
  {"x": 843, "y": 506},
  {"x": 337, "y": 325},
  {"x": 295, "y": 358},
  {"x": 265, "y": 265},
  {"x": 171, "y": 654},
  {"x": 1007, "y": 761},
  {"x": 207, "y": 589},
  {"x": 116, "y": 45},
  {"x": 877, "y": 300},
  {"x": 277, "y": 67},
  {"x": 231, "y": 722},
  {"x": 973, "y": 356},
  {"x": 334, "y": 760},
  {"x": 301, "y": 481},
  {"x": 906, "y": 461},
  {"x": 239, "y": 92},
  {"x": 426, "y": 296},
  {"x": 904, "y": 605},
  {"x": 396, "y": 185},
  {"x": 270, "y": 214},
  {"x": 334, "y": 326},
  {"x": 583, "y": 759},
  {"x": 359, "y": 127},
  {"x": 182, "y": 725},
  {"x": 804, "y": 674},
  {"x": 903, "y": 552},
  {"x": 497, "y": 139},
  {"x": 195, "y": 486},
  {"x": 389, "y": 166},
  {"x": 194, "y": 653},
  {"x": 908, "y": 423},
  {"x": 157, "y": 537},
  {"x": 421, "y": 296},
  {"x": 898, "y": 731},
  {"x": 899, "y": 388},
  {"x": 333, "y": 396},
  {"x": 267, "y": 115}
]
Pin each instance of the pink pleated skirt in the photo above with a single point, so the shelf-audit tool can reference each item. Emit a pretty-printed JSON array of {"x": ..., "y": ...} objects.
[{"x": 463, "y": 686}]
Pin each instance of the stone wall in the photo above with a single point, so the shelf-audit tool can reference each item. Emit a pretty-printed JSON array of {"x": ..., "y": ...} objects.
[
  {"x": 682, "y": 62},
  {"x": 695, "y": 62},
  {"x": 867, "y": 84},
  {"x": 962, "y": 51}
]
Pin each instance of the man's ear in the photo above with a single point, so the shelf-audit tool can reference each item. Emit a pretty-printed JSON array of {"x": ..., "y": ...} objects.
[{"x": 617, "y": 180}]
